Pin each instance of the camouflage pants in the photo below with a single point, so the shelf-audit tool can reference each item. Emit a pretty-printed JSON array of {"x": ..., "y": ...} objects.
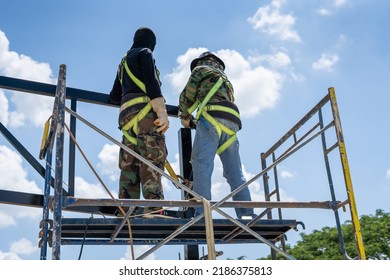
[{"x": 135, "y": 173}]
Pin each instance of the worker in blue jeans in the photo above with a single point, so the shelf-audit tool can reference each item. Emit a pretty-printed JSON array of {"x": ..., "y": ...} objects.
[{"x": 217, "y": 122}]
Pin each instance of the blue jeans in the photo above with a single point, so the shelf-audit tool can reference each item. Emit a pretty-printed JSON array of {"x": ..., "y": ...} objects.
[{"x": 204, "y": 150}]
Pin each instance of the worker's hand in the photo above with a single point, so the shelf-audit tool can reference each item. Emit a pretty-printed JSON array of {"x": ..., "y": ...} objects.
[
  {"x": 162, "y": 122},
  {"x": 186, "y": 123}
]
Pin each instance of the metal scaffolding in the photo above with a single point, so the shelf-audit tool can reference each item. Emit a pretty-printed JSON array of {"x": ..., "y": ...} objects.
[{"x": 184, "y": 230}]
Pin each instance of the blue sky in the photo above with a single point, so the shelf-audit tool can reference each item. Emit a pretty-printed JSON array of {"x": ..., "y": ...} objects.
[{"x": 281, "y": 55}]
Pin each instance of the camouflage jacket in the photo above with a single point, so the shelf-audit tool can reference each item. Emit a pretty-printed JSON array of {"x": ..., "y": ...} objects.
[{"x": 202, "y": 79}]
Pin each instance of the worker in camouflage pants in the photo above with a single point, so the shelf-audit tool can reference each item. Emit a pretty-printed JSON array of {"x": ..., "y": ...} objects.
[
  {"x": 143, "y": 120},
  {"x": 151, "y": 146}
]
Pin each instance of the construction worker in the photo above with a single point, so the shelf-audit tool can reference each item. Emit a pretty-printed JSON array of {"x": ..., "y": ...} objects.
[
  {"x": 143, "y": 120},
  {"x": 217, "y": 121}
]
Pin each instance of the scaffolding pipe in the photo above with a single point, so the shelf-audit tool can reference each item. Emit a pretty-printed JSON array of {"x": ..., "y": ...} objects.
[
  {"x": 347, "y": 174},
  {"x": 57, "y": 212}
]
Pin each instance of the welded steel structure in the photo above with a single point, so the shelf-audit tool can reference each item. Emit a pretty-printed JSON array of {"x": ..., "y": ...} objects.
[{"x": 190, "y": 232}]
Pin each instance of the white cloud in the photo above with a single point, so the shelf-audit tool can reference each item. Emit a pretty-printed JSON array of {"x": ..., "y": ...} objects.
[
  {"x": 20, "y": 247},
  {"x": 269, "y": 20},
  {"x": 326, "y": 62},
  {"x": 27, "y": 212},
  {"x": 329, "y": 11},
  {"x": 23, "y": 247},
  {"x": 324, "y": 12},
  {"x": 31, "y": 108},
  {"x": 256, "y": 88},
  {"x": 6, "y": 220},
  {"x": 8, "y": 256},
  {"x": 87, "y": 190},
  {"x": 220, "y": 188},
  {"x": 138, "y": 251},
  {"x": 339, "y": 3},
  {"x": 180, "y": 74},
  {"x": 108, "y": 163},
  {"x": 12, "y": 212},
  {"x": 277, "y": 60},
  {"x": 286, "y": 174},
  {"x": 13, "y": 175},
  {"x": 4, "y": 114},
  {"x": 388, "y": 173}
]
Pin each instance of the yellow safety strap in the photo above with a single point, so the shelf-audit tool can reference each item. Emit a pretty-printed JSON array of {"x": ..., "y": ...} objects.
[
  {"x": 45, "y": 133},
  {"x": 219, "y": 127},
  {"x": 223, "y": 109},
  {"x": 137, "y": 81},
  {"x": 193, "y": 107},
  {"x": 133, "y": 123},
  {"x": 208, "y": 96},
  {"x": 134, "y": 101},
  {"x": 171, "y": 171}
]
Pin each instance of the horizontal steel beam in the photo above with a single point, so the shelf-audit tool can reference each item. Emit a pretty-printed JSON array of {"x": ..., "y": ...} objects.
[
  {"x": 21, "y": 198},
  {"x": 71, "y": 93},
  {"x": 72, "y": 201}
]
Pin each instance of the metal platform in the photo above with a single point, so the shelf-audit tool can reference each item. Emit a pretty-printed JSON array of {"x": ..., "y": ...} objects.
[{"x": 98, "y": 231}]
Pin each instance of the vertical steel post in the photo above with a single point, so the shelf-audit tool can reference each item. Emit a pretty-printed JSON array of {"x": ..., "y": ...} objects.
[
  {"x": 46, "y": 201},
  {"x": 191, "y": 252},
  {"x": 277, "y": 193},
  {"x": 331, "y": 186},
  {"x": 57, "y": 211},
  {"x": 266, "y": 193},
  {"x": 347, "y": 174},
  {"x": 72, "y": 149}
]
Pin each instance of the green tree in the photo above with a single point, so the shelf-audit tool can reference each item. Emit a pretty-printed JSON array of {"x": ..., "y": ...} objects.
[{"x": 325, "y": 245}]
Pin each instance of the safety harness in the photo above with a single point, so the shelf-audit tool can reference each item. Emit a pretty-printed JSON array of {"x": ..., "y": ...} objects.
[
  {"x": 133, "y": 123},
  {"x": 219, "y": 127}
]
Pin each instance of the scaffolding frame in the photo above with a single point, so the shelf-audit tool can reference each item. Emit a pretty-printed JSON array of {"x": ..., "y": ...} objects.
[
  {"x": 317, "y": 130},
  {"x": 64, "y": 200}
]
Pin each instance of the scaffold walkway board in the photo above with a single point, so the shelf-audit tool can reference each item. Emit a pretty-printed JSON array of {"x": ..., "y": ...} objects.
[{"x": 98, "y": 231}]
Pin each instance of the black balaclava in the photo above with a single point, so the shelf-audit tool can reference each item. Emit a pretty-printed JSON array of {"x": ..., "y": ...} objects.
[{"x": 144, "y": 38}]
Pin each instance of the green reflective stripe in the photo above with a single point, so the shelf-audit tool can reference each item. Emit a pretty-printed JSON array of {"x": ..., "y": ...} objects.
[
  {"x": 225, "y": 145},
  {"x": 133, "y": 124},
  {"x": 138, "y": 82},
  {"x": 223, "y": 109},
  {"x": 134, "y": 101},
  {"x": 134, "y": 121},
  {"x": 219, "y": 127},
  {"x": 140, "y": 116},
  {"x": 131, "y": 139},
  {"x": 193, "y": 107},
  {"x": 208, "y": 96},
  {"x": 214, "y": 122}
]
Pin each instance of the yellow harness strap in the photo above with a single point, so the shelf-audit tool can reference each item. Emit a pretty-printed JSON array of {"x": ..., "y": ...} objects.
[
  {"x": 133, "y": 123},
  {"x": 219, "y": 127},
  {"x": 137, "y": 81}
]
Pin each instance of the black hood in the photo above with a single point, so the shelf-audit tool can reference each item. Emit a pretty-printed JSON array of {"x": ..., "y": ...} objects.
[{"x": 144, "y": 38}]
